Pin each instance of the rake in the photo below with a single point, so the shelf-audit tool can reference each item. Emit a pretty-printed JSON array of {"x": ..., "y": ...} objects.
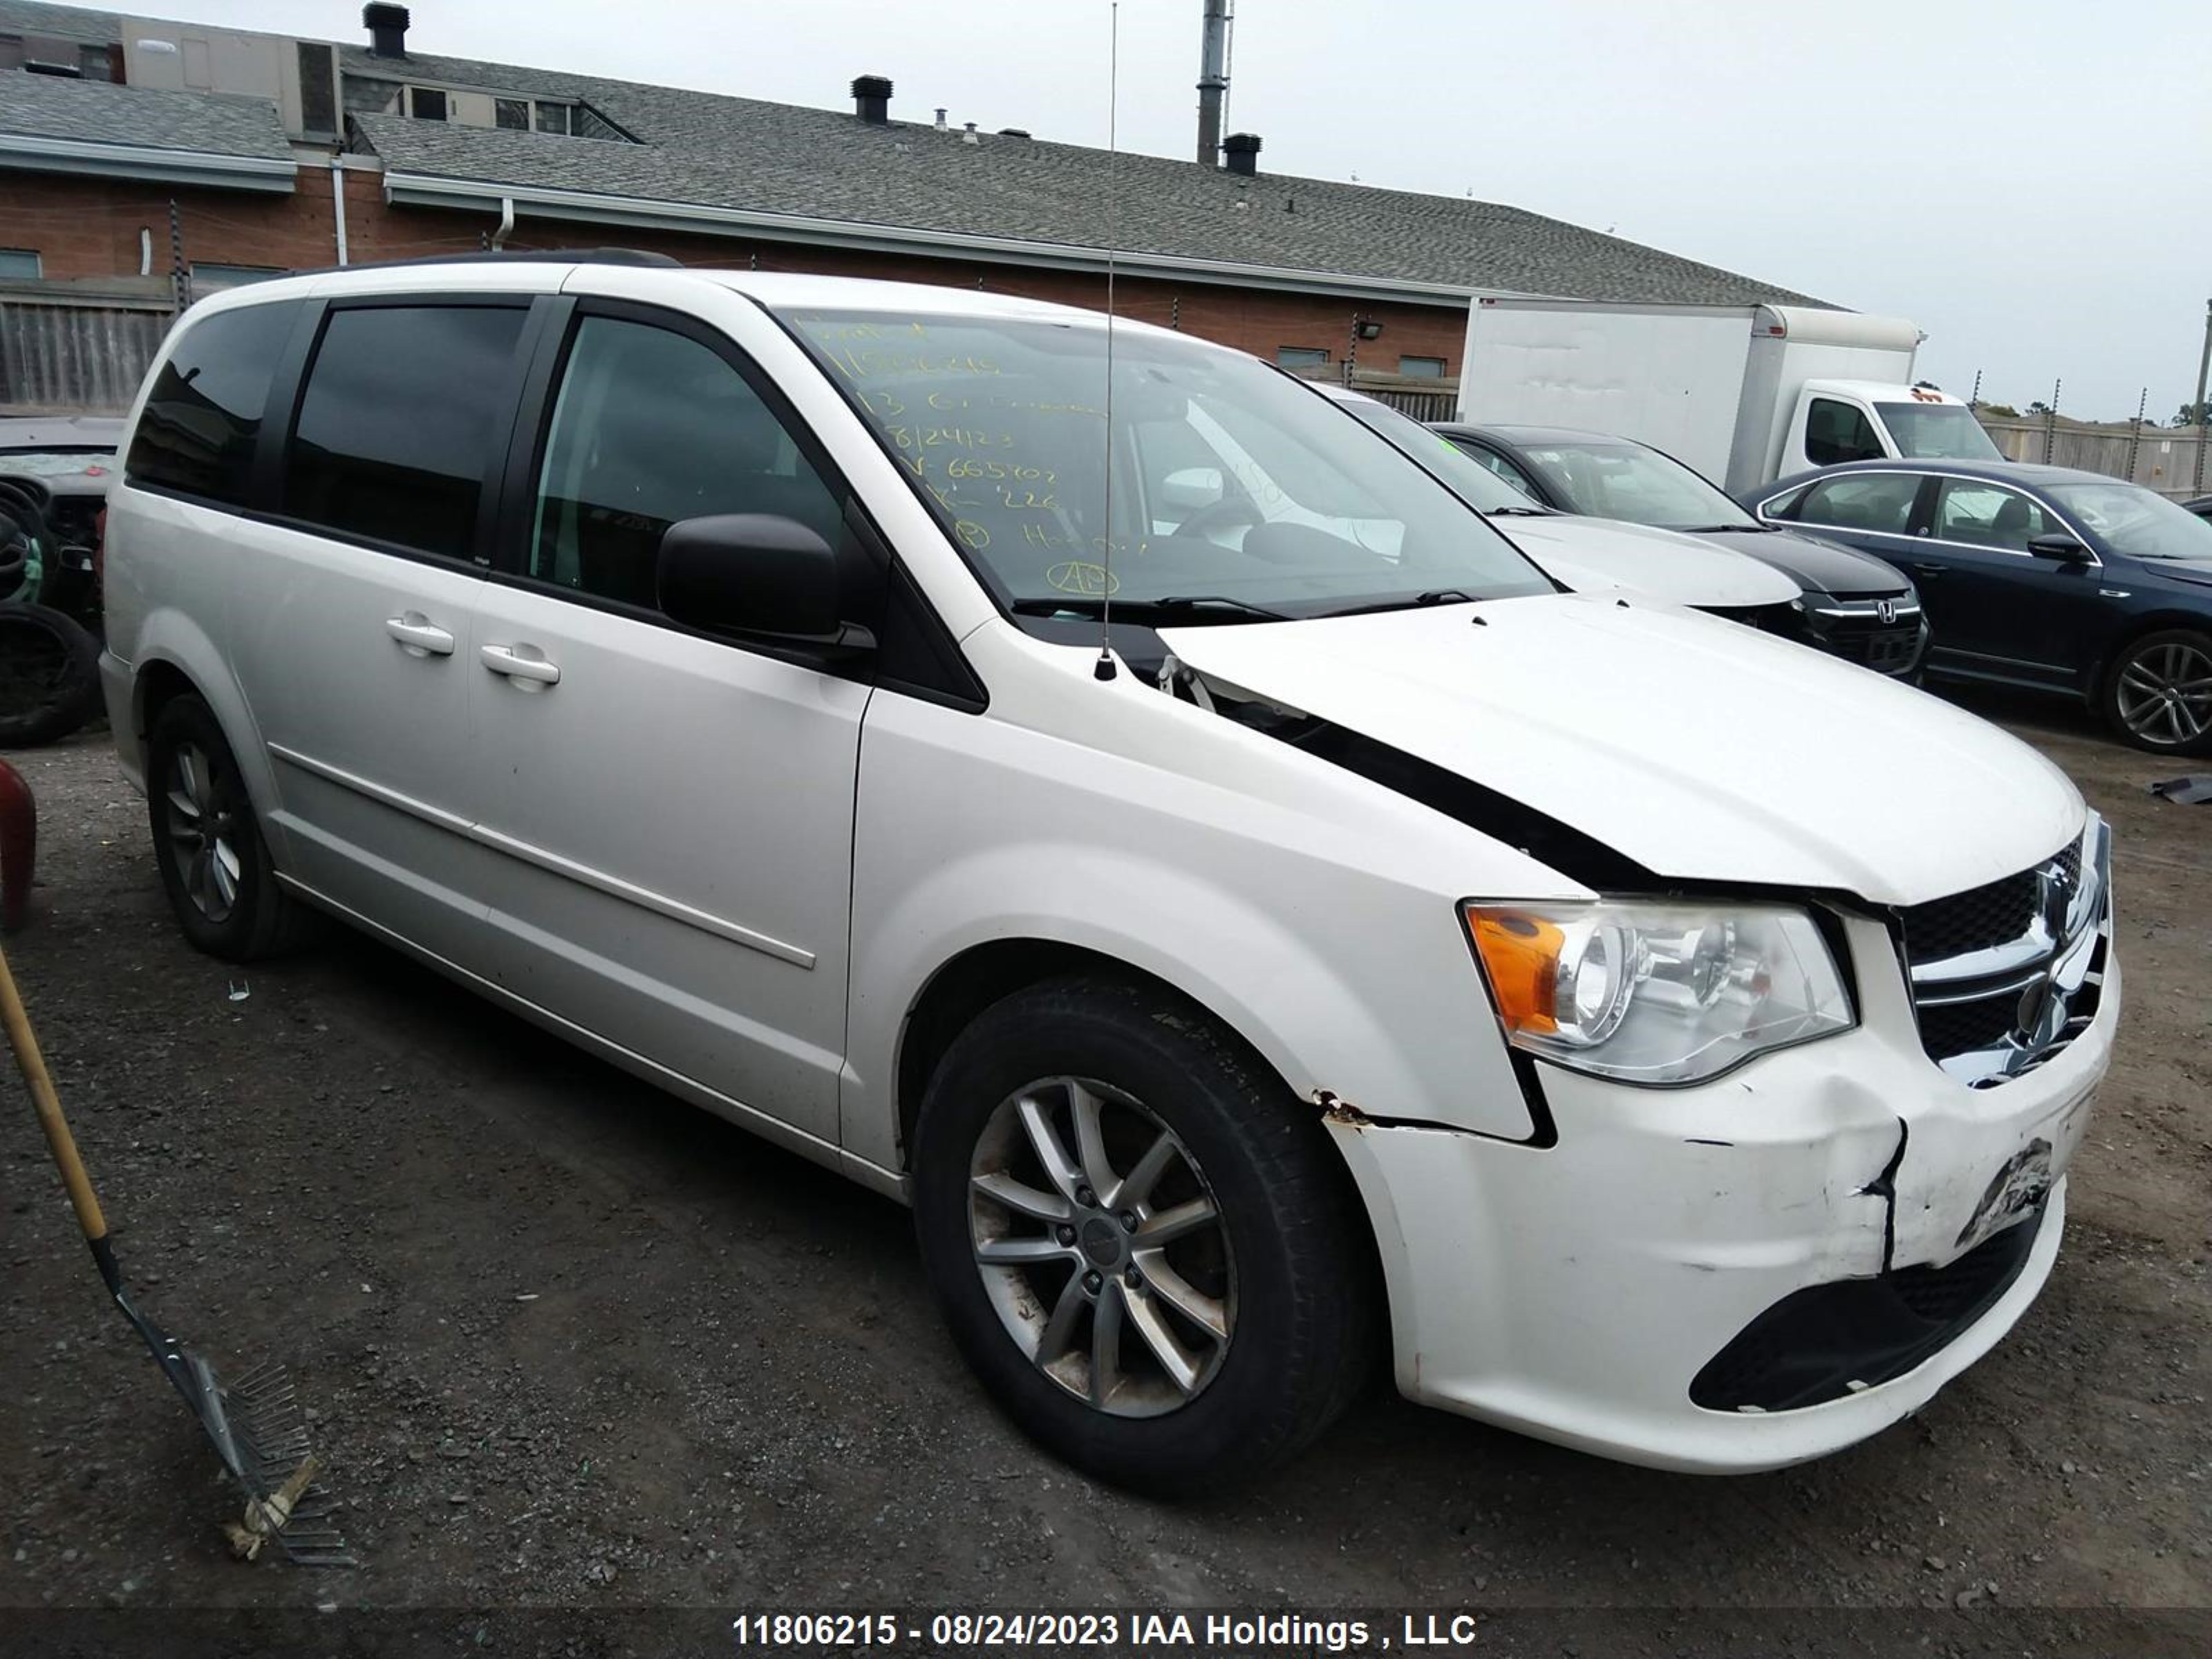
[{"x": 255, "y": 1421}]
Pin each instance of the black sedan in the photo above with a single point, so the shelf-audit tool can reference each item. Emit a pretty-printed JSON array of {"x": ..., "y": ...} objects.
[
  {"x": 2038, "y": 576},
  {"x": 1857, "y": 607}
]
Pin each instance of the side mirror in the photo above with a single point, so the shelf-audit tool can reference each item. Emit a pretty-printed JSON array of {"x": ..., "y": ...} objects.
[
  {"x": 754, "y": 573},
  {"x": 2059, "y": 548},
  {"x": 1191, "y": 490}
]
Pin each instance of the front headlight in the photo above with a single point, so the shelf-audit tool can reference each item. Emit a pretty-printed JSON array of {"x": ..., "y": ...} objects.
[{"x": 1652, "y": 992}]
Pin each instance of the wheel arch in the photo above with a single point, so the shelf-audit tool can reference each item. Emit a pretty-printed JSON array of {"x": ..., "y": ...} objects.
[
  {"x": 989, "y": 972},
  {"x": 175, "y": 657},
  {"x": 2165, "y": 619}
]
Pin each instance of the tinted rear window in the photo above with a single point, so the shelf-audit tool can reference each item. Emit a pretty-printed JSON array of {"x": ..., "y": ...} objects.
[
  {"x": 403, "y": 406},
  {"x": 202, "y": 417}
]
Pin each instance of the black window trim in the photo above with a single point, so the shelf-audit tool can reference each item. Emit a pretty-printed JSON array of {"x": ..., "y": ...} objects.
[
  {"x": 525, "y": 459},
  {"x": 288, "y": 391}
]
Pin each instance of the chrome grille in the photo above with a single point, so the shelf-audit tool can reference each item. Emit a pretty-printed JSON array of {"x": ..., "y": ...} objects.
[{"x": 2006, "y": 974}]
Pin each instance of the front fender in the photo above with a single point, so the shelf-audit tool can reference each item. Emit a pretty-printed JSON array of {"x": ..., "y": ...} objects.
[{"x": 1343, "y": 965}]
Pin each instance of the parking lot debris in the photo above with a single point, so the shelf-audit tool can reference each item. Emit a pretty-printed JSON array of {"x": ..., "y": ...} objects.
[
  {"x": 254, "y": 1420},
  {"x": 2194, "y": 790}
]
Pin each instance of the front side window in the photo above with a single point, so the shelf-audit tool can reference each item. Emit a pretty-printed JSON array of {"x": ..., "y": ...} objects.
[
  {"x": 1276, "y": 499},
  {"x": 1627, "y": 481},
  {"x": 1938, "y": 432},
  {"x": 204, "y": 414},
  {"x": 1878, "y": 501},
  {"x": 397, "y": 426},
  {"x": 1836, "y": 432},
  {"x": 650, "y": 427},
  {"x": 1987, "y": 515}
]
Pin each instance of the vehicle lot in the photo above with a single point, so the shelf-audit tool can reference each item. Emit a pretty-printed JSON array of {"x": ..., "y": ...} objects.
[{"x": 569, "y": 1342}]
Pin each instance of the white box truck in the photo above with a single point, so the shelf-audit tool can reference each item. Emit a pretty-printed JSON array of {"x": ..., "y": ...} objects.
[{"x": 1743, "y": 393}]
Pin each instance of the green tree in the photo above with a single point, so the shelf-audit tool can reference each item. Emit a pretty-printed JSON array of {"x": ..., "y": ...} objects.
[
  {"x": 2190, "y": 415},
  {"x": 2001, "y": 411}
]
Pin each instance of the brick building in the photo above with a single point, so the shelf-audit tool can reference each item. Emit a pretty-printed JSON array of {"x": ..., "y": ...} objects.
[{"x": 142, "y": 162}]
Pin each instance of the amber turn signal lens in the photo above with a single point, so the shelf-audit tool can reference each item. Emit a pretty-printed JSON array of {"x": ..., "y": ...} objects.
[{"x": 1521, "y": 954}]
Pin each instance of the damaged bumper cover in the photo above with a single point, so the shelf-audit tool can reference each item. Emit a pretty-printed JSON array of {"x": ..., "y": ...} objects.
[{"x": 1577, "y": 1291}]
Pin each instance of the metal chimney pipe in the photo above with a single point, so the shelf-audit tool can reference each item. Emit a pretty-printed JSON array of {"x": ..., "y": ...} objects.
[{"x": 1213, "y": 80}]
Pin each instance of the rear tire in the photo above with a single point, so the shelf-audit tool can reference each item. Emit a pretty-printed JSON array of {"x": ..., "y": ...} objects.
[
  {"x": 1228, "y": 1345},
  {"x": 48, "y": 675},
  {"x": 2158, "y": 694},
  {"x": 215, "y": 864}
]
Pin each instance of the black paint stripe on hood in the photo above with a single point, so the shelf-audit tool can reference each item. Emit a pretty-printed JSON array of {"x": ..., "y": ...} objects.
[{"x": 1574, "y": 855}]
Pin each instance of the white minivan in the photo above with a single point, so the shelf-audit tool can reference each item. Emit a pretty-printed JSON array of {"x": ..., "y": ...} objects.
[{"x": 1650, "y": 1035}]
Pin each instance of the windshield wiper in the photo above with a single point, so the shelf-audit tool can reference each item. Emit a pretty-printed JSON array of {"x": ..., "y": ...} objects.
[
  {"x": 1708, "y": 529},
  {"x": 1434, "y": 596},
  {"x": 1192, "y": 604},
  {"x": 1518, "y": 512}
]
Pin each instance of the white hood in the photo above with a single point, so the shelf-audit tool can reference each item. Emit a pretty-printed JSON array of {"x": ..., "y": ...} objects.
[
  {"x": 1599, "y": 556},
  {"x": 1700, "y": 749}
]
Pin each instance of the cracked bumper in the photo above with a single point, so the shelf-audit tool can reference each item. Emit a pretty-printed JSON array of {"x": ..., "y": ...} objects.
[{"x": 1574, "y": 1291}]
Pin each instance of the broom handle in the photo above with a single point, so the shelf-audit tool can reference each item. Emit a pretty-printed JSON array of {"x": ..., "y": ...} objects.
[{"x": 32, "y": 1064}]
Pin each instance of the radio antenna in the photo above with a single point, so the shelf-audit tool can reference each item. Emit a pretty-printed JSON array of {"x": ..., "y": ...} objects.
[{"x": 1104, "y": 668}]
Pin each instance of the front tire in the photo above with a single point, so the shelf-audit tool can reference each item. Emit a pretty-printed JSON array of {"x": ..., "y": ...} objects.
[
  {"x": 2158, "y": 694},
  {"x": 215, "y": 864},
  {"x": 1147, "y": 1250}
]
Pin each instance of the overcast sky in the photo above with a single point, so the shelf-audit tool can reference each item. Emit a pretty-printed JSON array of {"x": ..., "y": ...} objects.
[{"x": 2023, "y": 180}]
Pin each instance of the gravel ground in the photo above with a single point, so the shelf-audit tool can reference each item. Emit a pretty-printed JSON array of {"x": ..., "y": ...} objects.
[{"x": 569, "y": 1345}]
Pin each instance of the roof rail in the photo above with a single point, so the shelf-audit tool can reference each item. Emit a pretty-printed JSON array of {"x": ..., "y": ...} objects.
[{"x": 559, "y": 255}]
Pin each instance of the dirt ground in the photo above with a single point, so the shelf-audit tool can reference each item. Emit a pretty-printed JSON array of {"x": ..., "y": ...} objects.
[{"x": 570, "y": 1345}]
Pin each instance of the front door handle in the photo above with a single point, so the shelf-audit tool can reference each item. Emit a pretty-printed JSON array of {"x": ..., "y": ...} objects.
[
  {"x": 1931, "y": 569},
  {"x": 532, "y": 670},
  {"x": 418, "y": 635}
]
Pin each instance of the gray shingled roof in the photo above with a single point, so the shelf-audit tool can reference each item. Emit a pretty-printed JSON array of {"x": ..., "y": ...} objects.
[
  {"x": 738, "y": 153},
  {"x": 102, "y": 29},
  {"x": 704, "y": 150},
  {"x": 95, "y": 112}
]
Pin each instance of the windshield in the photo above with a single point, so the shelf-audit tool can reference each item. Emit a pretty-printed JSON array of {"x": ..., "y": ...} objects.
[
  {"x": 1230, "y": 480},
  {"x": 2136, "y": 522},
  {"x": 1938, "y": 432},
  {"x": 1468, "y": 478},
  {"x": 1627, "y": 481}
]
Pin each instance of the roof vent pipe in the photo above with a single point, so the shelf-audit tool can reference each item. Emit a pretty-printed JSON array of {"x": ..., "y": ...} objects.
[
  {"x": 940, "y": 120},
  {"x": 1243, "y": 149},
  {"x": 968, "y": 136},
  {"x": 872, "y": 99},
  {"x": 387, "y": 29},
  {"x": 1214, "y": 80}
]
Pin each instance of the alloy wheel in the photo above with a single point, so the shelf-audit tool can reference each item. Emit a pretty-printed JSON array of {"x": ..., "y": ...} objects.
[
  {"x": 1101, "y": 1247},
  {"x": 2165, "y": 693},
  {"x": 205, "y": 820}
]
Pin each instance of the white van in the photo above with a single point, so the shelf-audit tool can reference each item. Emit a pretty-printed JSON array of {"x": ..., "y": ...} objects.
[{"x": 1649, "y": 1034}]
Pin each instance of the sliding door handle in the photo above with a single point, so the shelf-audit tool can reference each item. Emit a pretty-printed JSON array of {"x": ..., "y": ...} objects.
[
  {"x": 419, "y": 636},
  {"x": 508, "y": 659}
]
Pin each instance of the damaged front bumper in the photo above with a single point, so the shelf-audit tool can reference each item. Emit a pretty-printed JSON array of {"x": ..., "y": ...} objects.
[{"x": 1608, "y": 1291}]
